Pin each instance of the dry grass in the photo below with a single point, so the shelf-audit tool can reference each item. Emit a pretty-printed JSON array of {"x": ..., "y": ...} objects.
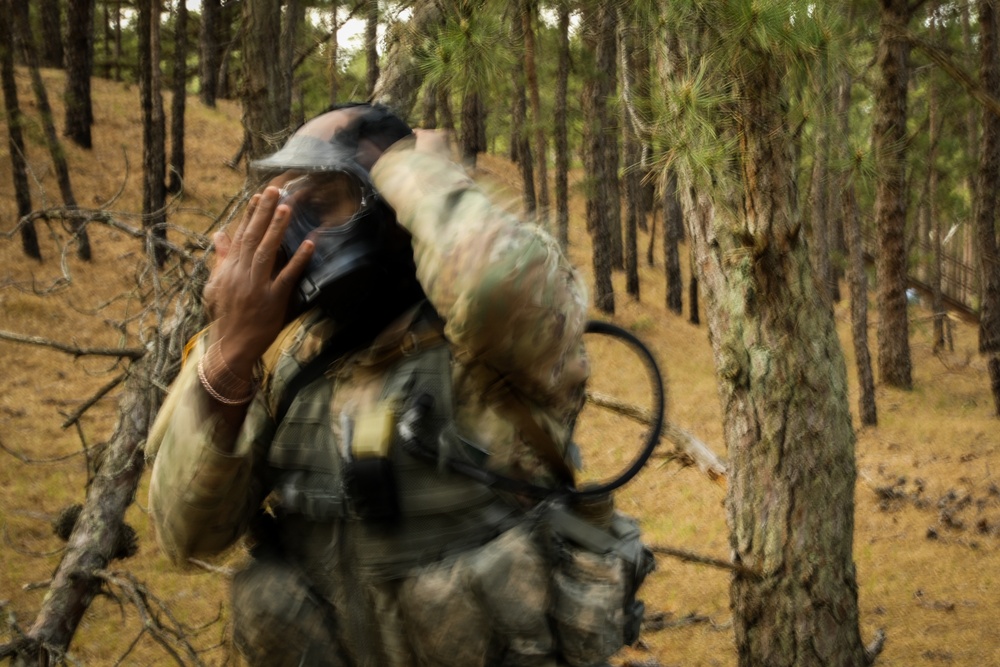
[{"x": 928, "y": 503}]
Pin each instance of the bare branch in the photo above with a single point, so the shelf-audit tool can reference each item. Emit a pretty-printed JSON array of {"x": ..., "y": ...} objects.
[
  {"x": 20, "y": 456},
  {"x": 27, "y": 552},
  {"x": 691, "y": 557},
  {"x": 689, "y": 448},
  {"x": 120, "y": 352},
  {"x": 90, "y": 402}
]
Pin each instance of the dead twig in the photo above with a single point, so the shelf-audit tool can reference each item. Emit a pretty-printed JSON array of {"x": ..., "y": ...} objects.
[
  {"x": 691, "y": 557},
  {"x": 170, "y": 635},
  {"x": 689, "y": 448},
  {"x": 90, "y": 402},
  {"x": 27, "y": 552},
  {"x": 120, "y": 352},
  {"x": 26, "y": 459}
]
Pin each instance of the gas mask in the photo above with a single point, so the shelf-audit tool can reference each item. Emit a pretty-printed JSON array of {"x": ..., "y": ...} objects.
[
  {"x": 356, "y": 266},
  {"x": 348, "y": 223}
]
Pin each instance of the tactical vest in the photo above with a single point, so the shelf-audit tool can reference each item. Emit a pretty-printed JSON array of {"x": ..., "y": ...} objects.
[{"x": 404, "y": 511}]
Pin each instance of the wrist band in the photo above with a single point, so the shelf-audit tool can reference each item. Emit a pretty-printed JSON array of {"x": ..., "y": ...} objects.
[{"x": 229, "y": 388}]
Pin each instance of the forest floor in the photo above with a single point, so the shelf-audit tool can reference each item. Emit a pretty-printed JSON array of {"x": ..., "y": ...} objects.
[{"x": 927, "y": 515}]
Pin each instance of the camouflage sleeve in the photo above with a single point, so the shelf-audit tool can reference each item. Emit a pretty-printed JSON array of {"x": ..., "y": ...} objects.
[
  {"x": 201, "y": 499},
  {"x": 509, "y": 296}
]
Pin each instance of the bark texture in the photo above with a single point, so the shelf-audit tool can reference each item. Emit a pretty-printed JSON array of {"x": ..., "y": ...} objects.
[
  {"x": 889, "y": 140},
  {"x": 154, "y": 158},
  {"x": 561, "y": 136},
  {"x": 989, "y": 180},
  {"x": 783, "y": 385},
  {"x": 52, "y": 39},
  {"x": 178, "y": 103},
  {"x": 858, "y": 280},
  {"x": 22, "y": 31},
  {"x": 371, "y": 45},
  {"x": 598, "y": 27},
  {"x": 210, "y": 51},
  {"x": 673, "y": 232},
  {"x": 79, "y": 68},
  {"x": 19, "y": 167},
  {"x": 400, "y": 77},
  {"x": 541, "y": 152},
  {"x": 266, "y": 95}
]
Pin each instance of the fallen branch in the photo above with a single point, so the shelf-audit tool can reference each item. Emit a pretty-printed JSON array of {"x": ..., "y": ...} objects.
[
  {"x": 689, "y": 448},
  {"x": 692, "y": 557},
  {"x": 120, "y": 352},
  {"x": 172, "y": 636}
]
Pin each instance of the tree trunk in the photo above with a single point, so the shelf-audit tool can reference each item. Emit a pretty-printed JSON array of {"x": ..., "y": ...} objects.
[
  {"x": 673, "y": 230},
  {"x": 428, "y": 107},
  {"x": 79, "y": 69},
  {"x": 333, "y": 64},
  {"x": 786, "y": 418},
  {"x": 154, "y": 189},
  {"x": 178, "y": 104},
  {"x": 934, "y": 226},
  {"x": 400, "y": 76},
  {"x": 444, "y": 108},
  {"x": 23, "y": 34},
  {"x": 838, "y": 243},
  {"x": 472, "y": 117},
  {"x": 266, "y": 97},
  {"x": 371, "y": 45},
  {"x": 231, "y": 15},
  {"x": 598, "y": 25},
  {"x": 529, "y": 17},
  {"x": 693, "y": 307},
  {"x": 294, "y": 17},
  {"x": 96, "y": 534},
  {"x": 209, "y": 50},
  {"x": 561, "y": 136},
  {"x": 889, "y": 142},
  {"x": 118, "y": 41},
  {"x": 989, "y": 181},
  {"x": 858, "y": 280},
  {"x": 630, "y": 44},
  {"x": 52, "y": 37},
  {"x": 19, "y": 168},
  {"x": 519, "y": 118},
  {"x": 818, "y": 191}
]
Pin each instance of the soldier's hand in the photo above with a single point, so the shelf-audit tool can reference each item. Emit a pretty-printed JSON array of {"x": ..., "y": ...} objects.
[{"x": 246, "y": 296}]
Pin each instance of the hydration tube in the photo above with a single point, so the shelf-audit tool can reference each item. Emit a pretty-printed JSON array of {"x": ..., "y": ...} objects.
[{"x": 414, "y": 415}]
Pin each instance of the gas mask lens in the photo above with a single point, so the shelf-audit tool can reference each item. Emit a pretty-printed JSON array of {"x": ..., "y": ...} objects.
[
  {"x": 323, "y": 200},
  {"x": 340, "y": 214}
]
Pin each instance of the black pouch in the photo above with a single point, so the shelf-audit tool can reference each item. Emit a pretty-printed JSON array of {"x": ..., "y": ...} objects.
[{"x": 371, "y": 488}]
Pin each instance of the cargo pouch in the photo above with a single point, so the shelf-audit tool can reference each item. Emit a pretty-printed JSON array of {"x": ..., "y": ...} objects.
[{"x": 596, "y": 573}]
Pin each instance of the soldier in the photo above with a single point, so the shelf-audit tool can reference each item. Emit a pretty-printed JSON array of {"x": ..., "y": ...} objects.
[{"x": 378, "y": 326}]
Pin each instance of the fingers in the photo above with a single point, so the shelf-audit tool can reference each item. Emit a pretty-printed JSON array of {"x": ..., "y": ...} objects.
[
  {"x": 238, "y": 234},
  {"x": 258, "y": 223},
  {"x": 222, "y": 245},
  {"x": 267, "y": 250},
  {"x": 290, "y": 274}
]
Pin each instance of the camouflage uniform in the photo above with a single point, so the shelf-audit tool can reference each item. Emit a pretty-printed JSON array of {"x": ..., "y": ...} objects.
[{"x": 514, "y": 313}]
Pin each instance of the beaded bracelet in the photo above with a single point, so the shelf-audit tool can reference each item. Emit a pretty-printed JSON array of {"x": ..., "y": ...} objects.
[{"x": 231, "y": 384}]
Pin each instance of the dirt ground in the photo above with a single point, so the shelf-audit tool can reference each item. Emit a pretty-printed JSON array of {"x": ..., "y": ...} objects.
[{"x": 927, "y": 516}]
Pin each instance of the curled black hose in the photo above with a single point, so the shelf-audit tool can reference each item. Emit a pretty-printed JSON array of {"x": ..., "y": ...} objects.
[{"x": 414, "y": 445}]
